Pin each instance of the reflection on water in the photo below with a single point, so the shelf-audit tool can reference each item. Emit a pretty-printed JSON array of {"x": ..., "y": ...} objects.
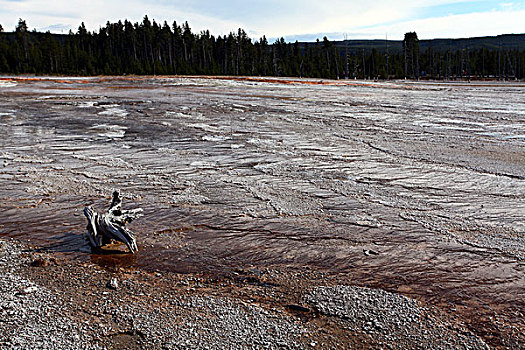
[{"x": 234, "y": 172}]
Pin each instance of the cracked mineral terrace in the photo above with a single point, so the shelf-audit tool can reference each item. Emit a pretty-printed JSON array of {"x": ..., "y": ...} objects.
[{"x": 280, "y": 197}]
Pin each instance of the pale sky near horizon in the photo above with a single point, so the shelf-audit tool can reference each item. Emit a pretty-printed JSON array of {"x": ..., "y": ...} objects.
[{"x": 303, "y": 20}]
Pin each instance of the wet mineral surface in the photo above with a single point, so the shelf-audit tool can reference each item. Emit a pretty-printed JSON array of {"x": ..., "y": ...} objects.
[{"x": 413, "y": 188}]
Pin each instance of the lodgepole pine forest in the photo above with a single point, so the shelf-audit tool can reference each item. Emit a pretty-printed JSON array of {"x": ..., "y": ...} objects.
[{"x": 150, "y": 48}]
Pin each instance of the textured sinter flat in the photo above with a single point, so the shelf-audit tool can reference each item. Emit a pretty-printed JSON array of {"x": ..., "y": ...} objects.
[{"x": 416, "y": 188}]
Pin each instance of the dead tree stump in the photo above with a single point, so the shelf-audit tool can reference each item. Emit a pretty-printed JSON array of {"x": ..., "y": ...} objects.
[{"x": 103, "y": 228}]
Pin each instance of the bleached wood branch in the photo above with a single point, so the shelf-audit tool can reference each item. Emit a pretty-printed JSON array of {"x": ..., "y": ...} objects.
[{"x": 103, "y": 228}]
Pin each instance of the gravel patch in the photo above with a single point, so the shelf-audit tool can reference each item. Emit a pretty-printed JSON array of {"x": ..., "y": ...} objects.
[
  {"x": 203, "y": 322},
  {"x": 394, "y": 321},
  {"x": 32, "y": 317}
]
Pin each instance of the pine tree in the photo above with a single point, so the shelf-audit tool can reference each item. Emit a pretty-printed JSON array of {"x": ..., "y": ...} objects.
[{"x": 411, "y": 55}]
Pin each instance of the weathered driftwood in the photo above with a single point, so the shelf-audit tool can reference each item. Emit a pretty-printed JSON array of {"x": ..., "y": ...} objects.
[{"x": 103, "y": 228}]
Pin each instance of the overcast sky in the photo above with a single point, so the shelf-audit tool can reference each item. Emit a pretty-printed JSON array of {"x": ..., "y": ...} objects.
[{"x": 292, "y": 19}]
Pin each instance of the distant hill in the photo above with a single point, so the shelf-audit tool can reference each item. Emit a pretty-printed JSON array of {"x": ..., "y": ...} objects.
[{"x": 507, "y": 42}]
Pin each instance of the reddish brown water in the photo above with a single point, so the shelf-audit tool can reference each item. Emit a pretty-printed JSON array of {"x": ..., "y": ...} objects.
[{"x": 249, "y": 172}]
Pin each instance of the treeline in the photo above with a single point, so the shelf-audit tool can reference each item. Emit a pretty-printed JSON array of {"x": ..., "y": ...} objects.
[{"x": 152, "y": 48}]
